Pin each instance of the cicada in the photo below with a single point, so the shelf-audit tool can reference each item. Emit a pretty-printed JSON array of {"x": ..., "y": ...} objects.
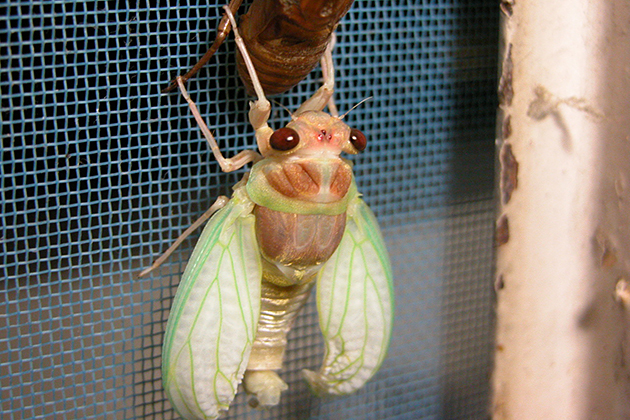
[{"x": 295, "y": 221}]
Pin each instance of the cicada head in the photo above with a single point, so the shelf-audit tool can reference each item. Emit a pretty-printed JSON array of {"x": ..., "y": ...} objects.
[{"x": 312, "y": 134}]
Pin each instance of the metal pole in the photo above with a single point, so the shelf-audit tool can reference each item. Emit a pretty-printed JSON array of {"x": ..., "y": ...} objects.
[{"x": 563, "y": 228}]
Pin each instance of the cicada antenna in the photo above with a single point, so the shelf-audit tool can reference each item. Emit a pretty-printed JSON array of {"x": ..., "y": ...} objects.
[
  {"x": 284, "y": 107},
  {"x": 353, "y": 108}
]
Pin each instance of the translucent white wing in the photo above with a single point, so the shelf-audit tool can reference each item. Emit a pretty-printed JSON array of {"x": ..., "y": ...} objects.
[
  {"x": 355, "y": 305},
  {"x": 213, "y": 319}
]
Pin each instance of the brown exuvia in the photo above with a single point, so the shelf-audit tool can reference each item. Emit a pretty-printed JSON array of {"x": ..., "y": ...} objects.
[{"x": 285, "y": 40}]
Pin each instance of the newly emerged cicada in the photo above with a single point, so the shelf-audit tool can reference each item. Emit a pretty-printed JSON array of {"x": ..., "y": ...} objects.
[{"x": 295, "y": 221}]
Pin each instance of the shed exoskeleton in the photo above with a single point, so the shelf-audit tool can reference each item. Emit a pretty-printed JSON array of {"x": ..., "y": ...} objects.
[
  {"x": 294, "y": 222},
  {"x": 285, "y": 40}
]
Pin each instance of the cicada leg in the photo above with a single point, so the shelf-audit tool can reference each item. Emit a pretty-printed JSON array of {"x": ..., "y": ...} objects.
[
  {"x": 260, "y": 109},
  {"x": 222, "y": 32},
  {"x": 227, "y": 164},
  {"x": 328, "y": 72},
  {"x": 218, "y": 205},
  {"x": 324, "y": 95}
]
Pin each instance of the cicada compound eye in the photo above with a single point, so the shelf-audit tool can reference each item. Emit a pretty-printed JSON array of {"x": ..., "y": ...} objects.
[
  {"x": 284, "y": 139},
  {"x": 358, "y": 140}
]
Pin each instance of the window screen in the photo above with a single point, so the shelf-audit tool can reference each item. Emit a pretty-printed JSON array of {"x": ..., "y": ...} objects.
[{"x": 101, "y": 172}]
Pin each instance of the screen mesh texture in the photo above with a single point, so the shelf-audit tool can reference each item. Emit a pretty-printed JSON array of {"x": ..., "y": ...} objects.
[{"x": 101, "y": 172}]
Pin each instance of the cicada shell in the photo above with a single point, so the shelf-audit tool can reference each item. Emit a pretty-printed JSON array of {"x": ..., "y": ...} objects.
[{"x": 285, "y": 40}]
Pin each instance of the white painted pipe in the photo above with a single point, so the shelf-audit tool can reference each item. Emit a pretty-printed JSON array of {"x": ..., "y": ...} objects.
[{"x": 563, "y": 228}]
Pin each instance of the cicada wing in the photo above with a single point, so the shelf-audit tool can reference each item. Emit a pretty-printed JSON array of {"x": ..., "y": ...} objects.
[
  {"x": 355, "y": 305},
  {"x": 213, "y": 319}
]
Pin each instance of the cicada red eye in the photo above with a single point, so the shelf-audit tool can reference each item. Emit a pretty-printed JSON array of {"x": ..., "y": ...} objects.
[
  {"x": 358, "y": 140},
  {"x": 284, "y": 139}
]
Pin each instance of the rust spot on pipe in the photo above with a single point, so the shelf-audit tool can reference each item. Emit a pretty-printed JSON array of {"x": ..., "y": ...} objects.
[
  {"x": 605, "y": 249},
  {"x": 502, "y": 234},
  {"x": 499, "y": 283},
  {"x": 509, "y": 172},
  {"x": 506, "y": 91},
  {"x": 506, "y": 127},
  {"x": 608, "y": 254},
  {"x": 507, "y": 7},
  {"x": 609, "y": 258}
]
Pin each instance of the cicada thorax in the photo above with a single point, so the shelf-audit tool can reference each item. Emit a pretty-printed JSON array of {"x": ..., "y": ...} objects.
[
  {"x": 295, "y": 242},
  {"x": 311, "y": 179}
]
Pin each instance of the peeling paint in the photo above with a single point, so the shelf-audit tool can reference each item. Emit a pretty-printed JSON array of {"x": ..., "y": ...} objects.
[
  {"x": 545, "y": 104},
  {"x": 502, "y": 234}
]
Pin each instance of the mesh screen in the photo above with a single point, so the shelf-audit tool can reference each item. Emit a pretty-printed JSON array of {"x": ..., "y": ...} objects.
[{"x": 100, "y": 172}]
